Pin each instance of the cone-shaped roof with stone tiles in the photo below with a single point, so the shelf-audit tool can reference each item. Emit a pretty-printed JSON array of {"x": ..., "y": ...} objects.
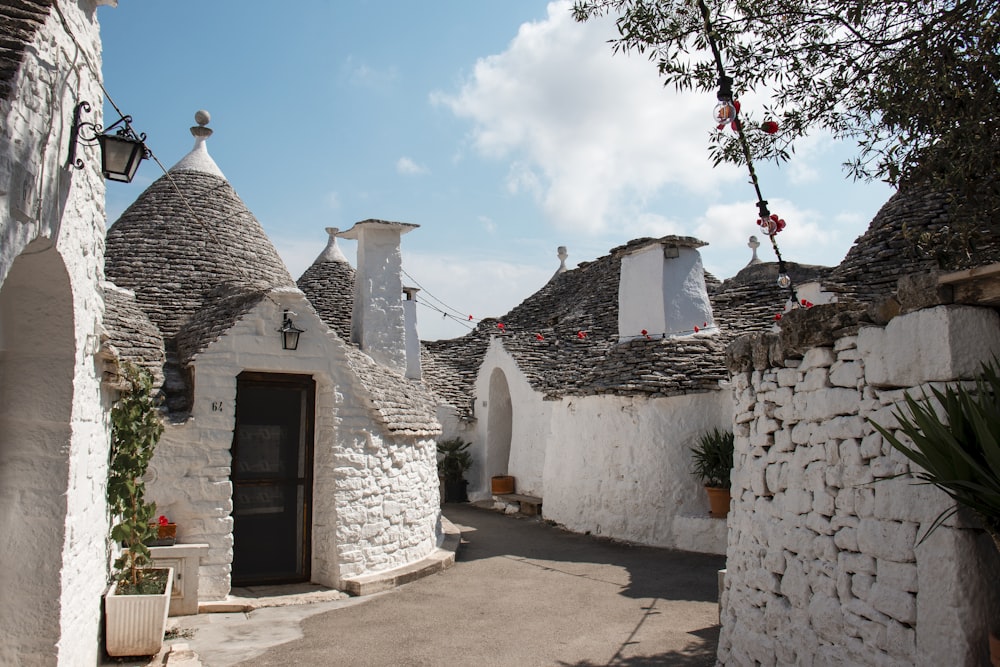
[
  {"x": 195, "y": 257},
  {"x": 184, "y": 237},
  {"x": 329, "y": 285},
  {"x": 130, "y": 332}
]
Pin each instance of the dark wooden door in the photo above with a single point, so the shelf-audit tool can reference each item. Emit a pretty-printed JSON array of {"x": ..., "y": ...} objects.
[{"x": 272, "y": 478}]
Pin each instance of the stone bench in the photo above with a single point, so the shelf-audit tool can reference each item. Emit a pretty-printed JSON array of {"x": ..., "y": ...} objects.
[{"x": 527, "y": 505}]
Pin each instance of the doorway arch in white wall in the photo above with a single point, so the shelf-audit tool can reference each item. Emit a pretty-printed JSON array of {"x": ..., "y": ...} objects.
[
  {"x": 37, "y": 352},
  {"x": 499, "y": 425}
]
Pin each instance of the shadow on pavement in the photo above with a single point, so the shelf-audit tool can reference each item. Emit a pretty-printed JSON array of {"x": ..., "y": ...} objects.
[{"x": 653, "y": 572}]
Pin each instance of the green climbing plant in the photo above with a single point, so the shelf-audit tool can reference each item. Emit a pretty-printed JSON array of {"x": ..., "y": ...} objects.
[{"x": 135, "y": 429}]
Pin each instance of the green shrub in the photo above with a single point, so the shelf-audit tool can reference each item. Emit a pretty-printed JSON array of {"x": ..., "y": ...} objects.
[
  {"x": 454, "y": 459},
  {"x": 713, "y": 458}
]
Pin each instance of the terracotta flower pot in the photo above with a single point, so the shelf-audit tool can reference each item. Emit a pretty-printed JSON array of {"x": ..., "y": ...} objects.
[
  {"x": 502, "y": 484},
  {"x": 718, "y": 501}
]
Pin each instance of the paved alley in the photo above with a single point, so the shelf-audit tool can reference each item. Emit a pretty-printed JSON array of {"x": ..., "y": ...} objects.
[{"x": 521, "y": 593}]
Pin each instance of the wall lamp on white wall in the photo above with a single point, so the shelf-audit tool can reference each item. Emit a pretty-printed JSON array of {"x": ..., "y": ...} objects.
[
  {"x": 289, "y": 332},
  {"x": 121, "y": 152}
]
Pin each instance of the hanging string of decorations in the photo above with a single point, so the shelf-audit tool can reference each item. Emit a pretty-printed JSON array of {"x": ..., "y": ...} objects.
[{"x": 727, "y": 112}]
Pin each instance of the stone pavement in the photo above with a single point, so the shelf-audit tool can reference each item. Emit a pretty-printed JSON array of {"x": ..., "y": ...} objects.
[{"x": 522, "y": 592}]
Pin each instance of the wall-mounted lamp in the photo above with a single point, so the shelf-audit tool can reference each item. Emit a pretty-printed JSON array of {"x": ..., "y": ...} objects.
[
  {"x": 121, "y": 152},
  {"x": 289, "y": 333}
]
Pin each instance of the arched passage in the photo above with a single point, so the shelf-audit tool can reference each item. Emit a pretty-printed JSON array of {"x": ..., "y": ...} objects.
[
  {"x": 499, "y": 425},
  {"x": 37, "y": 350}
]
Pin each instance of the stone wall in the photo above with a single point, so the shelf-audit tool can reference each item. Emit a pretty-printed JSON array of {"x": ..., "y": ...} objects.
[
  {"x": 825, "y": 564},
  {"x": 53, "y": 412}
]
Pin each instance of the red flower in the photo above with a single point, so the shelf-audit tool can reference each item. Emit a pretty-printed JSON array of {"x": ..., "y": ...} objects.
[
  {"x": 769, "y": 126},
  {"x": 162, "y": 520}
]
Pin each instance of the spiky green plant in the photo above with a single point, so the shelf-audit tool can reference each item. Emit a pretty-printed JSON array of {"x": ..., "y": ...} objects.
[
  {"x": 713, "y": 458},
  {"x": 455, "y": 459},
  {"x": 958, "y": 451},
  {"x": 135, "y": 429}
]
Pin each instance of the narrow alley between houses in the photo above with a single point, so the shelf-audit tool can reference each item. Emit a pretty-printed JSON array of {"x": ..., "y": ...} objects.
[{"x": 522, "y": 592}]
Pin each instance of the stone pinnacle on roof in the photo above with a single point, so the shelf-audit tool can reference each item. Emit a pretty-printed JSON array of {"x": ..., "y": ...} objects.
[
  {"x": 199, "y": 159},
  {"x": 562, "y": 255},
  {"x": 753, "y": 244},
  {"x": 332, "y": 252}
]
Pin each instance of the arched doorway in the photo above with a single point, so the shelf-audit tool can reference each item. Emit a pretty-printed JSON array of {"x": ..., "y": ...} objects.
[
  {"x": 499, "y": 425},
  {"x": 37, "y": 351}
]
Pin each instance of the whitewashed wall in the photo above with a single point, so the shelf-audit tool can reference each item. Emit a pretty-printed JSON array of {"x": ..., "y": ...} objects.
[
  {"x": 616, "y": 466},
  {"x": 53, "y": 413},
  {"x": 530, "y": 429},
  {"x": 823, "y": 562},
  {"x": 621, "y": 467},
  {"x": 375, "y": 499}
]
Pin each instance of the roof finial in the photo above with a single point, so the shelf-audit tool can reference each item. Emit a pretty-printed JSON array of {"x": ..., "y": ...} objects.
[
  {"x": 753, "y": 245},
  {"x": 562, "y": 255},
  {"x": 332, "y": 252},
  {"x": 203, "y": 118}
]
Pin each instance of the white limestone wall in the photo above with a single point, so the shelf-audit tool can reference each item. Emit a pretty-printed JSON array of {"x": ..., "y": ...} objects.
[
  {"x": 375, "y": 502},
  {"x": 53, "y": 413},
  {"x": 823, "y": 562},
  {"x": 620, "y": 466},
  {"x": 531, "y": 429}
]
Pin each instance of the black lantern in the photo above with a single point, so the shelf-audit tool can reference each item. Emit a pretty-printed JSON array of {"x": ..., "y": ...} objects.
[
  {"x": 121, "y": 152},
  {"x": 289, "y": 333}
]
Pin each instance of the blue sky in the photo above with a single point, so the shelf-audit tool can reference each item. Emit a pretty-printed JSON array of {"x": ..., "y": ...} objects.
[{"x": 502, "y": 128}]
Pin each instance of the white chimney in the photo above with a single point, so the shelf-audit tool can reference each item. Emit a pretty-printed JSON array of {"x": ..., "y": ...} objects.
[
  {"x": 413, "y": 369},
  {"x": 662, "y": 290},
  {"x": 377, "y": 321}
]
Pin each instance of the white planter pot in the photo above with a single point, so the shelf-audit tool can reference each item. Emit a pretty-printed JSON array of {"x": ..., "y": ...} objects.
[{"x": 134, "y": 624}]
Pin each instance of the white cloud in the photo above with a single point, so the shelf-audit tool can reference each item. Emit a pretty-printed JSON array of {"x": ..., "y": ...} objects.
[
  {"x": 588, "y": 133},
  {"x": 364, "y": 76},
  {"x": 488, "y": 224},
  {"x": 405, "y": 165}
]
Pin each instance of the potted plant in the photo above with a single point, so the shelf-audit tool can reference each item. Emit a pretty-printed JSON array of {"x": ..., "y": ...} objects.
[
  {"x": 956, "y": 442},
  {"x": 713, "y": 462},
  {"x": 136, "y": 606},
  {"x": 454, "y": 459}
]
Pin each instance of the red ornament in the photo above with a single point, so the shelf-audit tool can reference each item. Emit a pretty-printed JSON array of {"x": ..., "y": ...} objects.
[
  {"x": 539, "y": 336},
  {"x": 501, "y": 326},
  {"x": 777, "y": 316},
  {"x": 769, "y": 126},
  {"x": 581, "y": 335},
  {"x": 470, "y": 318},
  {"x": 704, "y": 324},
  {"x": 696, "y": 328}
]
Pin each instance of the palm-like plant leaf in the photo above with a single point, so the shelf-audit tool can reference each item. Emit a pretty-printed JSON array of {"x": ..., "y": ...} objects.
[{"x": 959, "y": 451}]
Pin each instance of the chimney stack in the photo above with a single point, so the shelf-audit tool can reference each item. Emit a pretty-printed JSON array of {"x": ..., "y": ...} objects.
[
  {"x": 377, "y": 321},
  {"x": 662, "y": 290}
]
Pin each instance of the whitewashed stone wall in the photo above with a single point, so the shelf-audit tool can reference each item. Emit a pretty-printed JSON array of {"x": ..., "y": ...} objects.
[
  {"x": 618, "y": 466},
  {"x": 823, "y": 562},
  {"x": 375, "y": 499},
  {"x": 53, "y": 413}
]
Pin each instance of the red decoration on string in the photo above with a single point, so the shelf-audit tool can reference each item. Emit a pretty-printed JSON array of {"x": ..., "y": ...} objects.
[
  {"x": 769, "y": 126},
  {"x": 777, "y": 316},
  {"x": 807, "y": 304},
  {"x": 470, "y": 318},
  {"x": 704, "y": 324},
  {"x": 581, "y": 335},
  {"x": 646, "y": 334},
  {"x": 539, "y": 336},
  {"x": 771, "y": 225},
  {"x": 501, "y": 326},
  {"x": 696, "y": 328}
]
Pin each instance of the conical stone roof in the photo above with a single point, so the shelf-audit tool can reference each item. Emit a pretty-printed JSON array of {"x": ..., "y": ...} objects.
[
  {"x": 329, "y": 285},
  {"x": 189, "y": 249}
]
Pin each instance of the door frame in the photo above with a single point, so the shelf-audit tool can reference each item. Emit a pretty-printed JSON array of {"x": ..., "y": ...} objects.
[{"x": 288, "y": 381}]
